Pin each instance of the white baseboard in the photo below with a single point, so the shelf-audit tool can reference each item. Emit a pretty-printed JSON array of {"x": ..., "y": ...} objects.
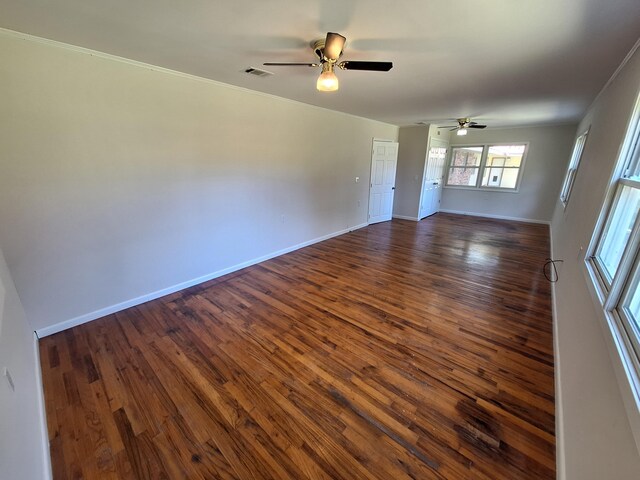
[
  {"x": 66, "y": 324},
  {"x": 497, "y": 217},
  {"x": 560, "y": 457},
  {"x": 42, "y": 414},
  {"x": 404, "y": 217}
]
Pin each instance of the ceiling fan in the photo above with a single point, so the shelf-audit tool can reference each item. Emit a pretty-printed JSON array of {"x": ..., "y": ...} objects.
[
  {"x": 463, "y": 125},
  {"x": 328, "y": 51}
]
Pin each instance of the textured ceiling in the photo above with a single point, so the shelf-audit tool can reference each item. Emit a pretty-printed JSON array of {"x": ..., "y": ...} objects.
[{"x": 503, "y": 62}]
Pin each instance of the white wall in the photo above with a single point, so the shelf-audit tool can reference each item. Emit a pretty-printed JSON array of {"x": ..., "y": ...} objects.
[
  {"x": 412, "y": 153},
  {"x": 545, "y": 164},
  {"x": 23, "y": 437},
  {"x": 594, "y": 435},
  {"x": 119, "y": 180}
]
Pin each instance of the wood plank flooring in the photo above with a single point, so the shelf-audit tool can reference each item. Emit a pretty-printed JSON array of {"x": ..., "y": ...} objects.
[{"x": 399, "y": 351}]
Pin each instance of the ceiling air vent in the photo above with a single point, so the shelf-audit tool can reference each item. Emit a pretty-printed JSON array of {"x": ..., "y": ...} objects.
[{"x": 257, "y": 72}]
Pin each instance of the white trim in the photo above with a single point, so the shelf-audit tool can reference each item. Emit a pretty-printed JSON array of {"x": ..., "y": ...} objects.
[
  {"x": 66, "y": 324},
  {"x": 95, "y": 53},
  {"x": 561, "y": 469},
  {"x": 405, "y": 217},
  {"x": 42, "y": 414},
  {"x": 497, "y": 217}
]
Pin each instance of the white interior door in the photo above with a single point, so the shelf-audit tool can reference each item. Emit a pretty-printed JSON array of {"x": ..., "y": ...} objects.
[
  {"x": 433, "y": 178},
  {"x": 384, "y": 160}
]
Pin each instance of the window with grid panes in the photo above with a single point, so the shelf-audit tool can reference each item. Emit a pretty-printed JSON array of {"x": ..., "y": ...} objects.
[
  {"x": 616, "y": 255},
  {"x": 572, "y": 170}
]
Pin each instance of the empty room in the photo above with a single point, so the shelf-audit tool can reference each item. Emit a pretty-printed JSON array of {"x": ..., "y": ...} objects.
[{"x": 320, "y": 240}]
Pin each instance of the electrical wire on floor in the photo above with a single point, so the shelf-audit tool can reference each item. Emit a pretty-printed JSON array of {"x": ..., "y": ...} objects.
[{"x": 550, "y": 270}]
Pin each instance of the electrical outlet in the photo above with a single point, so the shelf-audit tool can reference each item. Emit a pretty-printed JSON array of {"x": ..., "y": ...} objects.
[
  {"x": 7, "y": 375},
  {"x": 358, "y": 203},
  {"x": 282, "y": 218}
]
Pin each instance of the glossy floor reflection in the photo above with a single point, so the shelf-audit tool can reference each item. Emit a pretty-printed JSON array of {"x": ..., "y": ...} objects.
[{"x": 401, "y": 350}]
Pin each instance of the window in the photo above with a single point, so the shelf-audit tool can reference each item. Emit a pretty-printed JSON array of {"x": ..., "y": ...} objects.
[
  {"x": 615, "y": 259},
  {"x": 486, "y": 166},
  {"x": 576, "y": 155},
  {"x": 502, "y": 166},
  {"x": 629, "y": 310},
  {"x": 617, "y": 231},
  {"x": 465, "y": 165}
]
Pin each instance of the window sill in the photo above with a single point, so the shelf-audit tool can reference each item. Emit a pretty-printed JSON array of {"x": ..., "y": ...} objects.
[
  {"x": 623, "y": 358},
  {"x": 483, "y": 189}
]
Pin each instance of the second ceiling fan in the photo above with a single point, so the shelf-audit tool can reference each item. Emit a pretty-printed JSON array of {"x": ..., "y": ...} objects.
[
  {"x": 463, "y": 125},
  {"x": 328, "y": 51}
]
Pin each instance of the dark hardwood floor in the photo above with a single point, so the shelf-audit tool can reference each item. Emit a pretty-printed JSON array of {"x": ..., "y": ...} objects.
[{"x": 399, "y": 351}]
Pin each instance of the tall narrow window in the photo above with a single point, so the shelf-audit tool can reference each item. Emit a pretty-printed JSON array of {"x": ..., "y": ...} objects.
[
  {"x": 574, "y": 163},
  {"x": 621, "y": 225},
  {"x": 615, "y": 259}
]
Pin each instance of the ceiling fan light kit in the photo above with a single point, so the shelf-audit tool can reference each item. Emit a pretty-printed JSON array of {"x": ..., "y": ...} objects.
[
  {"x": 327, "y": 81},
  {"x": 329, "y": 51},
  {"x": 463, "y": 126}
]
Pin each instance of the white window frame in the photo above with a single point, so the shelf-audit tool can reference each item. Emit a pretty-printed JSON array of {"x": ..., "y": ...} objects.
[
  {"x": 483, "y": 166},
  {"x": 572, "y": 169},
  {"x": 450, "y": 166},
  {"x": 632, "y": 329},
  {"x": 606, "y": 282},
  {"x": 611, "y": 294}
]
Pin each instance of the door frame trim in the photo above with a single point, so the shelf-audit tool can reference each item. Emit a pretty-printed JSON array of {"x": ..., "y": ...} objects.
[
  {"x": 447, "y": 145},
  {"x": 371, "y": 151}
]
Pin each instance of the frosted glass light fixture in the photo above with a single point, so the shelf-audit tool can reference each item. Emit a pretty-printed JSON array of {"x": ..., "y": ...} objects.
[
  {"x": 462, "y": 131},
  {"x": 327, "y": 81}
]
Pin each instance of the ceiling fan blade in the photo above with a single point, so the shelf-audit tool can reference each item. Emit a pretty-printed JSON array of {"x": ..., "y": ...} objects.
[
  {"x": 477, "y": 126},
  {"x": 333, "y": 45},
  {"x": 450, "y": 126},
  {"x": 371, "y": 66},
  {"x": 290, "y": 64},
  {"x": 455, "y": 128}
]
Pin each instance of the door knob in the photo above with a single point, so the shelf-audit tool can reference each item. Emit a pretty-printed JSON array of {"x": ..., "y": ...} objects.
[
  {"x": 436, "y": 183},
  {"x": 393, "y": 188}
]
